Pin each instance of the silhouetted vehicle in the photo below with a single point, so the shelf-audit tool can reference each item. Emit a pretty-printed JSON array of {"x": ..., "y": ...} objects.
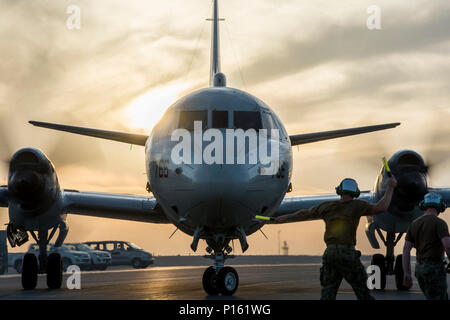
[
  {"x": 100, "y": 260},
  {"x": 68, "y": 257},
  {"x": 124, "y": 253}
]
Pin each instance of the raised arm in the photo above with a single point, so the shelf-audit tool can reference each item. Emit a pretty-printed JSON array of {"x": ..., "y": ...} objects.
[
  {"x": 383, "y": 204},
  {"x": 301, "y": 215}
]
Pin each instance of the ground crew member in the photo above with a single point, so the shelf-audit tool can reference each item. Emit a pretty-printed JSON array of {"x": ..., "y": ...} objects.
[
  {"x": 429, "y": 235},
  {"x": 340, "y": 259}
]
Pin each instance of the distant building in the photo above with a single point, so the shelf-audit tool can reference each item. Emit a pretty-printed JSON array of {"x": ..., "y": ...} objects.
[{"x": 285, "y": 248}]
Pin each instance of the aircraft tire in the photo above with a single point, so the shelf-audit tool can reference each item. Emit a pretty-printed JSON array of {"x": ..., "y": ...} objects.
[
  {"x": 29, "y": 271},
  {"x": 228, "y": 281},
  {"x": 209, "y": 282},
  {"x": 54, "y": 271},
  {"x": 380, "y": 261},
  {"x": 398, "y": 270}
]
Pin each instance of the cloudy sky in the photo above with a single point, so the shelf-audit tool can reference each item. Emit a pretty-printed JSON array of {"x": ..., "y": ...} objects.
[{"x": 314, "y": 62}]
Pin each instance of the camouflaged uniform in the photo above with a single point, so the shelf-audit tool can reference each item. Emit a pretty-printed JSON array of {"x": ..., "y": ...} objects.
[
  {"x": 340, "y": 259},
  {"x": 343, "y": 263},
  {"x": 432, "y": 278},
  {"x": 425, "y": 233}
]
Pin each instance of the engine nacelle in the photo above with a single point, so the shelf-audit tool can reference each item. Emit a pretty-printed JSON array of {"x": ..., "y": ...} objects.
[
  {"x": 410, "y": 170},
  {"x": 33, "y": 188}
]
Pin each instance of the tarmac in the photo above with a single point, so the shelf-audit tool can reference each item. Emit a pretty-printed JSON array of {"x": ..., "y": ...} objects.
[{"x": 260, "y": 280}]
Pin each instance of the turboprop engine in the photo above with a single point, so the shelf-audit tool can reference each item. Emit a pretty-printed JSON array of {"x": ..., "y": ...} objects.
[
  {"x": 35, "y": 195},
  {"x": 410, "y": 170}
]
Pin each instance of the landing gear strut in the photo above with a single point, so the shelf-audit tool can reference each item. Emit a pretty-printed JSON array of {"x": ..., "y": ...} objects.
[
  {"x": 219, "y": 279},
  {"x": 52, "y": 264},
  {"x": 386, "y": 264}
]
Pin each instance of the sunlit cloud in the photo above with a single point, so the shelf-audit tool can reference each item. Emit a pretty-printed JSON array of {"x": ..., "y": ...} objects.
[{"x": 146, "y": 110}]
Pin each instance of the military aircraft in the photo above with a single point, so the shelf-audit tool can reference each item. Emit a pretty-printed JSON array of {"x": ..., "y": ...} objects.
[
  {"x": 411, "y": 172},
  {"x": 216, "y": 202}
]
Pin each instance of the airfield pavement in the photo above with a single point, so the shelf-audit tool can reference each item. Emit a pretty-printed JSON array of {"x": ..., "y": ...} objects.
[{"x": 291, "y": 278}]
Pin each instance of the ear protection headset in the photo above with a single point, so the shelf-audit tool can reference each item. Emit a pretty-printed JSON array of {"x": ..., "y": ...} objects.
[
  {"x": 348, "y": 186},
  {"x": 433, "y": 200}
]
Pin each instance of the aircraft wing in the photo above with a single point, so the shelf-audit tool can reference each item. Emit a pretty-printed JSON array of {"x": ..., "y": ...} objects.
[
  {"x": 114, "y": 206},
  {"x": 131, "y": 138},
  {"x": 333, "y": 134},
  {"x": 292, "y": 204},
  {"x": 444, "y": 192}
]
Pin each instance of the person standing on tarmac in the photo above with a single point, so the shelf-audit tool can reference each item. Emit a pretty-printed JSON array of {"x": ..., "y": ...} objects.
[
  {"x": 340, "y": 259},
  {"x": 429, "y": 235}
]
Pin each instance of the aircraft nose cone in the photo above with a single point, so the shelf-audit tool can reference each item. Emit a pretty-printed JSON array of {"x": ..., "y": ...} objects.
[
  {"x": 222, "y": 191},
  {"x": 412, "y": 188},
  {"x": 222, "y": 181}
]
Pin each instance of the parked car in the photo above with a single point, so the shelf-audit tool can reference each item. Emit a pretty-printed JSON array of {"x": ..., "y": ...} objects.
[
  {"x": 68, "y": 257},
  {"x": 124, "y": 253},
  {"x": 100, "y": 260}
]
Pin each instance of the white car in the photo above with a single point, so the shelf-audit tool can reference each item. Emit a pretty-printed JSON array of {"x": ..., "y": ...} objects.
[
  {"x": 68, "y": 257},
  {"x": 100, "y": 260}
]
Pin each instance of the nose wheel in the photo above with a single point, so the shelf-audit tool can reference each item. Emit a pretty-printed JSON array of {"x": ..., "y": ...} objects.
[
  {"x": 219, "y": 279},
  {"x": 224, "y": 282},
  {"x": 209, "y": 281},
  {"x": 227, "y": 281}
]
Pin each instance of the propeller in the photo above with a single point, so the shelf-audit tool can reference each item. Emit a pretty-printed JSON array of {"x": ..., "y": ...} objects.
[{"x": 437, "y": 154}]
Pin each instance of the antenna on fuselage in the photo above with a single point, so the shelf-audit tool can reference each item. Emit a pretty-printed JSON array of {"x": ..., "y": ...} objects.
[{"x": 216, "y": 78}]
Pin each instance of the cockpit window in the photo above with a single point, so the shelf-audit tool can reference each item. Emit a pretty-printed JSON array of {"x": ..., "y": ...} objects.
[
  {"x": 219, "y": 119},
  {"x": 283, "y": 133},
  {"x": 187, "y": 119},
  {"x": 268, "y": 122},
  {"x": 247, "y": 120}
]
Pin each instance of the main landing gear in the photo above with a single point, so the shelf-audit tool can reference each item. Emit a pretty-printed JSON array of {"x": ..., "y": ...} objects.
[
  {"x": 51, "y": 265},
  {"x": 386, "y": 264}
]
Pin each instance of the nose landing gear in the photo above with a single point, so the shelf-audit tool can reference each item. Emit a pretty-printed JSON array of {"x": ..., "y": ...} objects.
[
  {"x": 218, "y": 279},
  {"x": 228, "y": 281},
  {"x": 386, "y": 263}
]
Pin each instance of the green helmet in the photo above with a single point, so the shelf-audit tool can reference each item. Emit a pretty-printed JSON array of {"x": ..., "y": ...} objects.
[{"x": 433, "y": 200}]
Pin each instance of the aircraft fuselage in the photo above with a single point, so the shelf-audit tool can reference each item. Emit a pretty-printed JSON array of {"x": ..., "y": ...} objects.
[{"x": 221, "y": 196}]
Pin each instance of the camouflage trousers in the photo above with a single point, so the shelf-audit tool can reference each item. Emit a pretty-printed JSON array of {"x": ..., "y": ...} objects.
[
  {"x": 432, "y": 279},
  {"x": 341, "y": 263}
]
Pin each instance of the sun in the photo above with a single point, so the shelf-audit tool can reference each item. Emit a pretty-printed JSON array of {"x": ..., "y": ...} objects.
[{"x": 146, "y": 110}]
